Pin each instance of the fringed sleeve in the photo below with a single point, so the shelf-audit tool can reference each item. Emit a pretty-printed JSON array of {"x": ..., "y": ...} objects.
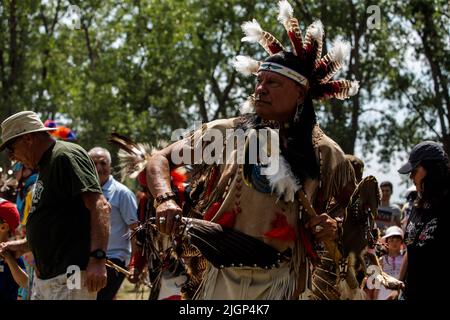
[{"x": 336, "y": 172}]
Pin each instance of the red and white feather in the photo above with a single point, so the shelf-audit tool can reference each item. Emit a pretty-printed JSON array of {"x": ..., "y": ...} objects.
[
  {"x": 254, "y": 33},
  {"x": 290, "y": 23}
]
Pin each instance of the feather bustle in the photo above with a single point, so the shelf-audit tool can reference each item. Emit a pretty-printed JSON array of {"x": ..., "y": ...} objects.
[{"x": 132, "y": 156}]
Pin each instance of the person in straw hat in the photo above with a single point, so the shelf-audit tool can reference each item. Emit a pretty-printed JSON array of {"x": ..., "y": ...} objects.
[{"x": 68, "y": 222}]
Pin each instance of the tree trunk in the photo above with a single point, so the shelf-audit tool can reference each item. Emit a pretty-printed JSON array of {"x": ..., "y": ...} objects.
[
  {"x": 202, "y": 105},
  {"x": 354, "y": 70},
  {"x": 435, "y": 70},
  {"x": 90, "y": 50},
  {"x": 13, "y": 56}
]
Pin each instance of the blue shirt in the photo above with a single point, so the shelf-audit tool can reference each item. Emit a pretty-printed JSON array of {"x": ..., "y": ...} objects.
[
  {"x": 123, "y": 214},
  {"x": 8, "y": 287}
]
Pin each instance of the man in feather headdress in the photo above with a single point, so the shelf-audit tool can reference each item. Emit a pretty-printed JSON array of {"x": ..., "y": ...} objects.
[{"x": 277, "y": 209}]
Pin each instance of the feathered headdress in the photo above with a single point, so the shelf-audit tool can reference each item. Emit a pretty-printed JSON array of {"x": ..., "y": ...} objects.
[{"x": 305, "y": 63}]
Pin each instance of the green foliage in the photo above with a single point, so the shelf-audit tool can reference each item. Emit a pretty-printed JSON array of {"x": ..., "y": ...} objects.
[{"x": 145, "y": 68}]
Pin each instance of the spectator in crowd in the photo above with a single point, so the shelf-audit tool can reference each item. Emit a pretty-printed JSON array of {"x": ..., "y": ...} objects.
[
  {"x": 392, "y": 260},
  {"x": 411, "y": 196},
  {"x": 12, "y": 274},
  {"x": 68, "y": 223},
  {"x": 123, "y": 219},
  {"x": 426, "y": 232},
  {"x": 388, "y": 214},
  {"x": 26, "y": 178}
]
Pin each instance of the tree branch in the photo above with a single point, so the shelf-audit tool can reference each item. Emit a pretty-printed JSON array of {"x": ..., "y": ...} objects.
[
  {"x": 13, "y": 47},
  {"x": 427, "y": 33},
  {"x": 224, "y": 96},
  {"x": 304, "y": 10},
  {"x": 421, "y": 114},
  {"x": 44, "y": 18},
  {"x": 91, "y": 53},
  {"x": 55, "y": 18},
  {"x": 202, "y": 104}
]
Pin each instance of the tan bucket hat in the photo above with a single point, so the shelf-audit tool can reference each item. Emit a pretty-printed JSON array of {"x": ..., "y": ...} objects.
[{"x": 19, "y": 124}]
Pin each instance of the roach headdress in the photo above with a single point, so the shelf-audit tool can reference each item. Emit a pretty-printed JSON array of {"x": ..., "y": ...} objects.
[{"x": 305, "y": 64}]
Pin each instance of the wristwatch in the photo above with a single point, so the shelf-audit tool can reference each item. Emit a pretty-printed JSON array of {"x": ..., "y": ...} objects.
[
  {"x": 98, "y": 254},
  {"x": 163, "y": 198}
]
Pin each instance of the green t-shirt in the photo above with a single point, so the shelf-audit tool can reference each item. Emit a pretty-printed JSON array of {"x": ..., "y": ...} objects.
[{"x": 58, "y": 226}]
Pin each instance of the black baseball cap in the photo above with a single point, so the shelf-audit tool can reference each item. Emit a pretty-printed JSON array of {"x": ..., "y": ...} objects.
[{"x": 426, "y": 150}]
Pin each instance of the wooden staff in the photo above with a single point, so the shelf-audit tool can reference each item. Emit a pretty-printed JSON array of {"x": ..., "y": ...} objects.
[{"x": 111, "y": 264}]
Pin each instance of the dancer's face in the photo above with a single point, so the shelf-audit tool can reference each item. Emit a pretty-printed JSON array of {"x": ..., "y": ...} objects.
[{"x": 276, "y": 96}]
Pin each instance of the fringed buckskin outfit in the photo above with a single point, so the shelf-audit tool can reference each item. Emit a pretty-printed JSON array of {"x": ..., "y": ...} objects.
[
  {"x": 237, "y": 200},
  {"x": 235, "y": 193}
]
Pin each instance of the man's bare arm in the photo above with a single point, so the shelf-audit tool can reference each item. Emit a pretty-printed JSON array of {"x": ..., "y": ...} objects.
[
  {"x": 158, "y": 178},
  {"x": 17, "y": 247},
  {"x": 99, "y": 209}
]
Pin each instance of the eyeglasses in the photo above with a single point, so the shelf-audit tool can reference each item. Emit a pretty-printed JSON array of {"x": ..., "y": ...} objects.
[{"x": 10, "y": 146}]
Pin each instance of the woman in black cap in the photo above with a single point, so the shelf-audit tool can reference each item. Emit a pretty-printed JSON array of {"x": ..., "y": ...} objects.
[{"x": 429, "y": 168}]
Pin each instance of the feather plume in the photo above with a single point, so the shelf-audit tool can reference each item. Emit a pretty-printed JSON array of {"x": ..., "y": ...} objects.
[
  {"x": 285, "y": 12},
  {"x": 340, "y": 50},
  {"x": 284, "y": 183},
  {"x": 354, "y": 87},
  {"x": 290, "y": 23},
  {"x": 332, "y": 62},
  {"x": 253, "y": 31},
  {"x": 315, "y": 30},
  {"x": 248, "y": 106},
  {"x": 313, "y": 45},
  {"x": 340, "y": 89},
  {"x": 295, "y": 36},
  {"x": 246, "y": 65},
  {"x": 271, "y": 44},
  {"x": 132, "y": 156}
]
